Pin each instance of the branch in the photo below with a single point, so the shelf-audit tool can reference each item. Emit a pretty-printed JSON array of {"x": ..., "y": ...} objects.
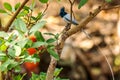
[
  {"x": 14, "y": 16},
  {"x": 111, "y": 7},
  {"x": 47, "y": 4},
  {"x": 65, "y": 35},
  {"x": 71, "y": 12},
  {"x": 51, "y": 69},
  {"x": 71, "y": 5}
]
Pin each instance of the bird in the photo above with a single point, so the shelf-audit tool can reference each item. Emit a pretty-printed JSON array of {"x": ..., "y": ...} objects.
[{"x": 66, "y": 17}]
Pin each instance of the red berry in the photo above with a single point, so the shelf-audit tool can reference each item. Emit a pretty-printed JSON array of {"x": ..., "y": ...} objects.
[
  {"x": 30, "y": 66},
  {"x": 31, "y": 51},
  {"x": 41, "y": 47},
  {"x": 33, "y": 38}
]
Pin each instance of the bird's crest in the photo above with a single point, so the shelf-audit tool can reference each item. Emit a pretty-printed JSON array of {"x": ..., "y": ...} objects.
[
  {"x": 62, "y": 9},
  {"x": 62, "y": 12}
]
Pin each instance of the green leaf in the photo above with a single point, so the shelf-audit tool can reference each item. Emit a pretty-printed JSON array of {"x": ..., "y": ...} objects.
[
  {"x": 29, "y": 43},
  {"x": 38, "y": 44},
  {"x": 19, "y": 77},
  {"x": 8, "y": 6},
  {"x": 8, "y": 65},
  {"x": 57, "y": 71},
  {"x": 26, "y": 8},
  {"x": 39, "y": 16},
  {"x": 11, "y": 52},
  {"x": 57, "y": 36},
  {"x": 33, "y": 18},
  {"x": 108, "y": 0},
  {"x": 23, "y": 41},
  {"x": 23, "y": 13},
  {"x": 2, "y": 41},
  {"x": 12, "y": 37},
  {"x": 18, "y": 69},
  {"x": 17, "y": 50},
  {"x": 82, "y": 3},
  {"x": 2, "y": 11},
  {"x": 53, "y": 53},
  {"x": 37, "y": 26},
  {"x": 23, "y": 76},
  {"x": 35, "y": 77},
  {"x": 43, "y": 1},
  {"x": 3, "y": 47},
  {"x": 3, "y": 56},
  {"x": 39, "y": 36},
  {"x": 42, "y": 76},
  {"x": 12, "y": 64},
  {"x": 51, "y": 34},
  {"x": 51, "y": 46},
  {"x": 3, "y": 34},
  {"x": 20, "y": 25},
  {"x": 34, "y": 58},
  {"x": 32, "y": 5},
  {"x": 51, "y": 40},
  {"x": 17, "y": 6},
  {"x": 4, "y": 66}
]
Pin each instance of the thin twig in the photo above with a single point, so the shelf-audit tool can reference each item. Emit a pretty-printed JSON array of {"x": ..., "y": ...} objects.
[
  {"x": 100, "y": 51},
  {"x": 47, "y": 4},
  {"x": 111, "y": 7},
  {"x": 71, "y": 6},
  {"x": 29, "y": 16},
  {"x": 29, "y": 19},
  {"x": 71, "y": 10},
  {"x": 110, "y": 67},
  {"x": 14, "y": 16}
]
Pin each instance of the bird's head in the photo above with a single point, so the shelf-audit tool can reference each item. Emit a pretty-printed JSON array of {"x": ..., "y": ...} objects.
[
  {"x": 62, "y": 9},
  {"x": 62, "y": 12}
]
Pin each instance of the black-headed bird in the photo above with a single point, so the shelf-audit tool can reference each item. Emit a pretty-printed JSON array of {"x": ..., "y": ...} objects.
[{"x": 67, "y": 17}]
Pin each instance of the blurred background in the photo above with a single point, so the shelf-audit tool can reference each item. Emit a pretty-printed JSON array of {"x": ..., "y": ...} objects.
[{"x": 83, "y": 54}]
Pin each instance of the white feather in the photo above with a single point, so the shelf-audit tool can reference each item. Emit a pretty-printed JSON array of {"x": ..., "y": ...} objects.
[{"x": 67, "y": 18}]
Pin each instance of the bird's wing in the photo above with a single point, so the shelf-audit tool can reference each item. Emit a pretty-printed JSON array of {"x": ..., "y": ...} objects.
[{"x": 67, "y": 19}]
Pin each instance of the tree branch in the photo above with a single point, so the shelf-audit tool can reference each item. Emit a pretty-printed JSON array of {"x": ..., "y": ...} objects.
[
  {"x": 71, "y": 12},
  {"x": 47, "y": 4},
  {"x": 65, "y": 35},
  {"x": 51, "y": 69},
  {"x": 14, "y": 16}
]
